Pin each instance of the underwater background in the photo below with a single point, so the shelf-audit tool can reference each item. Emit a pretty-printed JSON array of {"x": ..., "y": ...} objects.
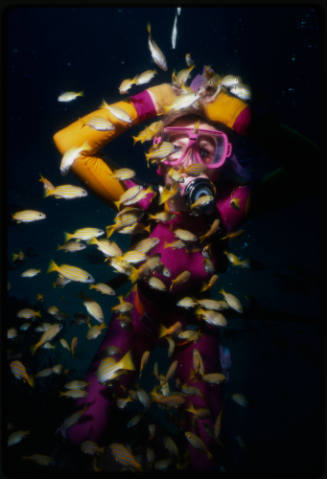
[{"x": 276, "y": 347}]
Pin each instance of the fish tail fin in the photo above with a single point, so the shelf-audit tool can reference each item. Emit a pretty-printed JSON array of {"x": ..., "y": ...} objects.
[
  {"x": 48, "y": 192},
  {"x": 81, "y": 93},
  {"x": 52, "y": 267},
  {"x": 68, "y": 236},
  {"x": 104, "y": 104},
  {"x": 127, "y": 362},
  {"x": 148, "y": 27},
  {"x": 109, "y": 230},
  {"x": 134, "y": 274},
  {"x": 38, "y": 314},
  {"x": 14, "y": 256},
  {"x": 92, "y": 241},
  {"x": 162, "y": 330},
  {"x": 135, "y": 139},
  {"x": 117, "y": 204},
  {"x": 35, "y": 347},
  {"x": 30, "y": 381}
]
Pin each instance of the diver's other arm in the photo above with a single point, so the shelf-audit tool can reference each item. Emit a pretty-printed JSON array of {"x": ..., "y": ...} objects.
[{"x": 92, "y": 170}]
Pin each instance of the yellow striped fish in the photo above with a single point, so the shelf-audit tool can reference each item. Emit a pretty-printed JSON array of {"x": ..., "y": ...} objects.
[
  {"x": 182, "y": 101},
  {"x": 145, "y": 245},
  {"x": 124, "y": 174},
  {"x": 69, "y": 95},
  {"x": 198, "y": 443},
  {"x": 47, "y": 336},
  {"x": 94, "y": 309},
  {"x": 145, "y": 77},
  {"x": 19, "y": 371},
  {"x": 128, "y": 194},
  {"x": 161, "y": 152},
  {"x": 103, "y": 288},
  {"x": 144, "y": 359},
  {"x": 71, "y": 155},
  {"x": 72, "y": 246},
  {"x": 73, "y": 273},
  {"x": 109, "y": 368},
  {"x": 134, "y": 256},
  {"x": 27, "y": 216},
  {"x": 232, "y": 301},
  {"x": 126, "y": 84},
  {"x": 123, "y": 306},
  {"x": 182, "y": 76},
  {"x": 195, "y": 169},
  {"x": 124, "y": 456},
  {"x": 157, "y": 55},
  {"x": 28, "y": 313},
  {"x": 185, "y": 235},
  {"x": 84, "y": 234},
  {"x": 148, "y": 133},
  {"x": 108, "y": 248},
  {"x": 67, "y": 192},
  {"x": 95, "y": 331},
  {"x": 117, "y": 112},
  {"x": 30, "y": 273},
  {"x": 100, "y": 124},
  {"x": 122, "y": 222}
]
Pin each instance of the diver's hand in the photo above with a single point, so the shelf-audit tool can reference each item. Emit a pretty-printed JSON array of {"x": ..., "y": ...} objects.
[{"x": 162, "y": 95}]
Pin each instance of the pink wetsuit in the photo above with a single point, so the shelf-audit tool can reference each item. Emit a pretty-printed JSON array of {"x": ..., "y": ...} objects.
[{"x": 160, "y": 308}]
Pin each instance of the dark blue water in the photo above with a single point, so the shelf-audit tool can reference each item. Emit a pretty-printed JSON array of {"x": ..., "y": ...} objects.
[{"x": 276, "y": 351}]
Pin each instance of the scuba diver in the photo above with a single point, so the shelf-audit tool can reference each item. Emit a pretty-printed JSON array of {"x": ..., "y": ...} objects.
[{"x": 204, "y": 197}]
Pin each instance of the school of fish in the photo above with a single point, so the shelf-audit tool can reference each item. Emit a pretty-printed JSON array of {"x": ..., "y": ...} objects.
[{"x": 136, "y": 263}]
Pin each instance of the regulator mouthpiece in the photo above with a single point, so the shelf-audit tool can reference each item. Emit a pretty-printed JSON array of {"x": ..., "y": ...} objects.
[{"x": 194, "y": 190}]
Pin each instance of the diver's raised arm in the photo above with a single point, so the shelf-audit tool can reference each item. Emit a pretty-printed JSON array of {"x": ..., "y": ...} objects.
[{"x": 98, "y": 128}]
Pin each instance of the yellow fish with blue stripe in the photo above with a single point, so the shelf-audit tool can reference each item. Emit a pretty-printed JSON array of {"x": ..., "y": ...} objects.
[
  {"x": 19, "y": 371},
  {"x": 124, "y": 456},
  {"x": 84, "y": 234},
  {"x": 27, "y": 216},
  {"x": 161, "y": 151},
  {"x": 72, "y": 273},
  {"x": 67, "y": 192},
  {"x": 109, "y": 368},
  {"x": 94, "y": 309},
  {"x": 48, "y": 335}
]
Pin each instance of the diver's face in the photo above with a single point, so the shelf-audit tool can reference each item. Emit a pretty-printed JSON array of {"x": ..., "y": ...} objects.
[{"x": 206, "y": 147}]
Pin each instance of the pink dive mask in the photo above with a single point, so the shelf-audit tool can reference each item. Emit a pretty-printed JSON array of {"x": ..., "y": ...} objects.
[{"x": 194, "y": 152}]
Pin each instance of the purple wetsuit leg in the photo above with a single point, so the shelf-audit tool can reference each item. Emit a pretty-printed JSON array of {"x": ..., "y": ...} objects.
[
  {"x": 211, "y": 396},
  {"x": 137, "y": 338}
]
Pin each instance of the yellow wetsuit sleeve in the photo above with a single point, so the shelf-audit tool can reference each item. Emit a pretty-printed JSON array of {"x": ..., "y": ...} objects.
[
  {"x": 89, "y": 168},
  {"x": 225, "y": 109}
]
